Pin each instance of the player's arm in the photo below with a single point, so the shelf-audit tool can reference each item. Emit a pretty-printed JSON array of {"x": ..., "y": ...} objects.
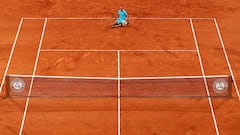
[
  {"x": 126, "y": 14},
  {"x": 118, "y": 14}
]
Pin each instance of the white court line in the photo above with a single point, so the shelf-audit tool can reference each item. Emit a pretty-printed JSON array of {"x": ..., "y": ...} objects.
[
  {"x": 205, "y": 80},
  {"x": 31, "y": 84},
  {"x": 70, "y": 18},
  {"x": 123, "y": 78},
  {"x": 111, "y": 18},
  {"x": 11, "y": 54},
  {"x": 62, "y": 77},
  {"x": 99, "y": 50},
  {"x": 157, "y": 18},
  {"x": 119, "y": 95},
  {"x": 227, "y": 59}
]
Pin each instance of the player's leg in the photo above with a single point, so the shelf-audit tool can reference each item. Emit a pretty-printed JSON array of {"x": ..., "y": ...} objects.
[
  {"x": 124, "y": 23},
  {"x": 117, "y": 23}
]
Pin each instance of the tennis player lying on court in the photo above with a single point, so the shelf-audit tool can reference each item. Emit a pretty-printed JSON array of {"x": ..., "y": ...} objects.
[{"x": 122, "y": 18}]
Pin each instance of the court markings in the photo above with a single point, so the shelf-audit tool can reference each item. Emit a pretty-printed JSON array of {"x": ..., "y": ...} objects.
[
  {"x": 31, "y": 83},
  {"x": 102, "y": 50},
  {"x": 119, "y": 94},
  {"x": 19, "y": 28},
  {"x": 11, "y": 54},
  {"x": 119, "y": 78},
  {"x": 205, "y": 80},
  {"x": 227, "y": 59},
  {"x": 112, "y": 18}
]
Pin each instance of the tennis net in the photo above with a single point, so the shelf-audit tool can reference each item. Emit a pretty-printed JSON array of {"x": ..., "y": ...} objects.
[{"x": 64, "y": 86}]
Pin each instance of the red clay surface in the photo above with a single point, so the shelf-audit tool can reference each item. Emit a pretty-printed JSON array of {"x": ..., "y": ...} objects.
[
  {"x": 140, "y": 116},
  {"x": 159, "y": 35}
]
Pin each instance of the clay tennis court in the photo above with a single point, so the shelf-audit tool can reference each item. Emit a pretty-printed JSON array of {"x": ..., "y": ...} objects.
[{"x": 153, "y": 77}]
